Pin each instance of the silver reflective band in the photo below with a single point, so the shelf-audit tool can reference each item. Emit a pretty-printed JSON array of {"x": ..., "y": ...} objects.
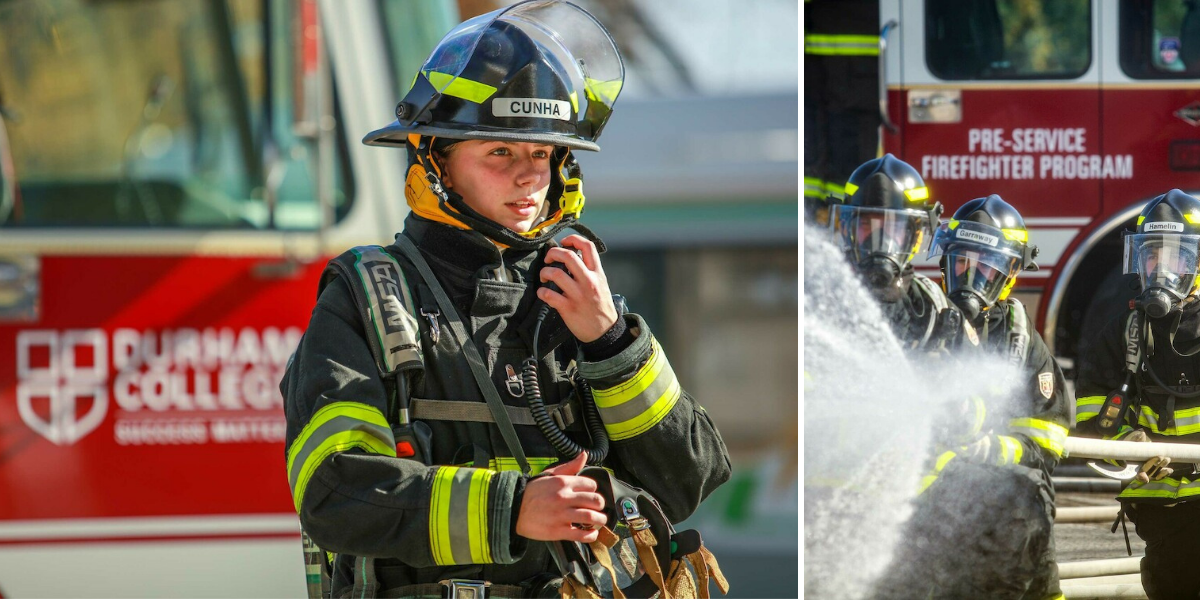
[{"x": 537, "y": 108}]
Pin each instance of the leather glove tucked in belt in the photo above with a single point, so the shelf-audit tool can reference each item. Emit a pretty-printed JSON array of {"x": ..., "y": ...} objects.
[{"x": 1155, "y": 468}]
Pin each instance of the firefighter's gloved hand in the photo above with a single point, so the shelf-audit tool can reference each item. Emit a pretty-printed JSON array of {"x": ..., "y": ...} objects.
[
  {"x": 1155, "y": 468},
  {"x": 960, "y": 422},
  {"x": 979, "y": 451}
]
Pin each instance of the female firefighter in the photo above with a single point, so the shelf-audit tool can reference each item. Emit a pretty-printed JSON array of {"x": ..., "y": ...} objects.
[
  {"x": 438, "y": 374},
  {"x": 1141, "y": 382}
]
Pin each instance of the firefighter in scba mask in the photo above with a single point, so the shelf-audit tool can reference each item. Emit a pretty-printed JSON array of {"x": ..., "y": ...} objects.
[
  {"x": 1141, "y": 382},
  {"x": 886, "y": 220},
  {"x": 444, "y": 399},
  {"x": 984, "y": 514}
]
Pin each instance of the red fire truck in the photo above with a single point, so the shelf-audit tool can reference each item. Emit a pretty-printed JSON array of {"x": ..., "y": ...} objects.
[
  {"x": 173, "y": 177},
  {"x": 1075, "y": 111}
]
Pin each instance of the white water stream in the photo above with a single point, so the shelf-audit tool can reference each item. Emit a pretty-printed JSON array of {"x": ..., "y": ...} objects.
[{"x": 868, "y": 414}]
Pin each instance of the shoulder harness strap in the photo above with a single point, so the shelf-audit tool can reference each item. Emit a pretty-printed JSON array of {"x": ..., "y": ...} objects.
[
  {"x": 1018, "y": 334},
  {"x": 1133, "y": 341},
  {"x": 935, "y": 297},
  {"x": 385, "y": 303}
]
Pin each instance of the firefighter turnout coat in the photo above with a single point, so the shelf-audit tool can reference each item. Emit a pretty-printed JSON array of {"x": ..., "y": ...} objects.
[{"x": 455, "y": 517}]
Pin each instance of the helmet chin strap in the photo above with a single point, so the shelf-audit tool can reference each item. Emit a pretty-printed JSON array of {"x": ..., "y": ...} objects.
[{"x": 453, "y": 205}]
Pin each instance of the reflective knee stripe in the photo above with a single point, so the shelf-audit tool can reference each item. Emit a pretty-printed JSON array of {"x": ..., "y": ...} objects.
[
  {"x": 1167, "y": 488},
  {"x": 1011, "y": 450},
  {"x": 940, "y": 464},
  {"x": 458, "y": 516},
  {"x": 1087, "y": 407},
  {"x": 841, "y": 45},
  {"x": 1187, "y": 421},
  {"x": 1047, "y": 434},
  {"x": 335, "y": 428},
  {"x": 638, "y": 404}
]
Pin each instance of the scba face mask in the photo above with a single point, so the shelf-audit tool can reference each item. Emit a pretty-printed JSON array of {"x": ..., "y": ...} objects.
[
  {"x": 882, "y": 243},
  {"x": 1166, "y": 265}
]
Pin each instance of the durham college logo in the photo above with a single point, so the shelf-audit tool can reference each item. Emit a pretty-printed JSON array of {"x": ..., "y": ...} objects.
[{"x": 49, "y": 373}]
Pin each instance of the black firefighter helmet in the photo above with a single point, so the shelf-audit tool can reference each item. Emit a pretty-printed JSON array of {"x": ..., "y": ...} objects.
[
  {"x": 542, "y": 71},
  {"x": 1163, "y": 252},
  {"x": 984, "y": 246},
  {"x": 884, "y": 222}
]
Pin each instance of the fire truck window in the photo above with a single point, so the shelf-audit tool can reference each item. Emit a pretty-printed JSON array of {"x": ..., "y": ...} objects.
[
  {"x": 1160, "y": 39},
  {"x": 1008, "y": 39},
  {"x": 141, "y": 114}
]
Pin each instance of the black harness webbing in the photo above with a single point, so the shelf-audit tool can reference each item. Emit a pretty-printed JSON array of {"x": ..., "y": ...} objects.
[{"x": 478, "y": 366}]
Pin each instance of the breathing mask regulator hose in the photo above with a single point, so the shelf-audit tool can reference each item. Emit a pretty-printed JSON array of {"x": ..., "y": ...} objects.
[{"x": 533, "y": 394}]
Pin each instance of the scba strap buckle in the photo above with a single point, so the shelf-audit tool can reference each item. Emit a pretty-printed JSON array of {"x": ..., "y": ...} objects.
[{"x": 465, "y": 588}]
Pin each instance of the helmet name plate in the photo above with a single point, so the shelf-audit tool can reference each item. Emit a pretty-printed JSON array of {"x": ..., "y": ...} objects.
[
  {"x": 1163, "y": 226},
  {"x": 975, "y": 236},
  {"x": 539, "y": 108}
]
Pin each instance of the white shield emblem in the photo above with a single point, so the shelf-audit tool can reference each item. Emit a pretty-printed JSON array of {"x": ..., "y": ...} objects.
[
  {"x": 61, "y": 387},
  {"x": 1046, "y": 384}
]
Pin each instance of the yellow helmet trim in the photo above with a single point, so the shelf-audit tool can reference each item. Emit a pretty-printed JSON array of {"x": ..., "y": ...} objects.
[
  {"x": 850, "y": 189},
  {"x": 1140, "y": 219},
  {"x": 1192, "y": 218},
  {"x": 602, "y": 91},
  {"x": 917, "y": 194},
  {"x": 1016, "y": 235},
  {"x": 952, "y": 224},
  {"x": 460, "y": 87}
]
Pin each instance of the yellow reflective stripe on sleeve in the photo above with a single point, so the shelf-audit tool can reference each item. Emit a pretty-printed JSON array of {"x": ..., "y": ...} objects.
[
  {"x": 944, "y": 458},
  {"x": 814, "y": 188},
  {"x": 1087, "y": 407},
  {"x": 841, "y": 45},
  {"x": 926, "y": 481},
  {"x": 460, "y": 87},
  {"x": 337, "y": 427},
  {"x": 458, "y": 516},
  {"x": 1011, "y": 450},
  {"x": 1047, "y": 434},
  {"x": 639, "y": 403},
  {"x": 938, "y": 465}
]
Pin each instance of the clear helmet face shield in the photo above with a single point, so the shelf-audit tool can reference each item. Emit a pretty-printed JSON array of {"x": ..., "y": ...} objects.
[
  {"x": 1163, "y": 261},
  {"x": 978, "y": 259},
  {"x": 872, "y": 232},
  {"x": 984, "y": 272}
]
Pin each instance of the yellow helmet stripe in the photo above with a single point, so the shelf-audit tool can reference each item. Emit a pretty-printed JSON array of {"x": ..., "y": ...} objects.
[
  {"x": 460, "y": 87},
  {"x": 917, "y": 194},
  {"x": 1017, "y": 235}
]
